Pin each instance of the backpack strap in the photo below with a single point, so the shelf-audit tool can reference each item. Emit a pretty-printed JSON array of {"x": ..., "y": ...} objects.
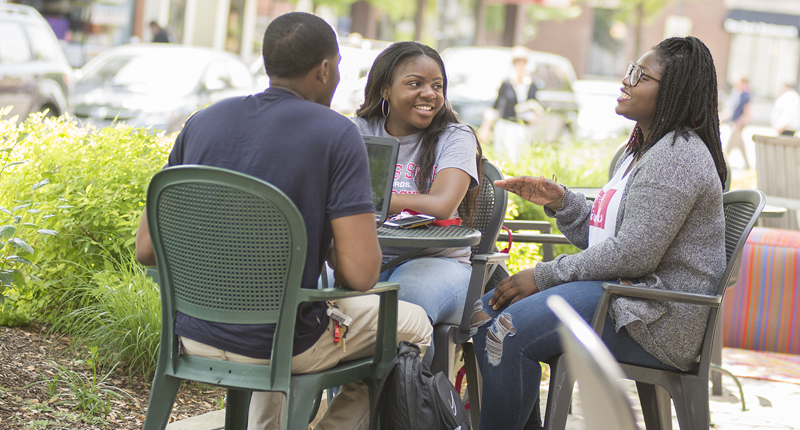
[{"x": 379, "y": 394}]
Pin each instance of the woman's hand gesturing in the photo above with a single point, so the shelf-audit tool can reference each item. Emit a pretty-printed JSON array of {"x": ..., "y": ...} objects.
[
  {"x": 539, "y": 190},
  {"x": 515, "y": 288}
]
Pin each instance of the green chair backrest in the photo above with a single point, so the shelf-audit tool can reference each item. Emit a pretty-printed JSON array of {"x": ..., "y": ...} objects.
[
  {"x": 230, "y": 248},
  {"x": 489, "y": 208}
]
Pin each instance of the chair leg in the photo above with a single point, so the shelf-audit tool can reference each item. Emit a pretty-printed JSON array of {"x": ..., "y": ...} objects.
[
  {"x": 162, "y": 397},
  {"x": 315, "y": 408},
  {"x": 237, "y": 406},
  {"x": 655, "y": 402},
  {"x": 444, "y": 355},
  {"x": 716, "y": 356},
  {"x": 559, "y": 395},
  {"x": 474, "y": 383},
  {"x": 300, "y": 403},
  {"x": 692, "y": 406}
]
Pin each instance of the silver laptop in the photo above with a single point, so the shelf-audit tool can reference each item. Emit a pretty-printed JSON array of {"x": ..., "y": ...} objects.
[{"x": 382, "y": 153}]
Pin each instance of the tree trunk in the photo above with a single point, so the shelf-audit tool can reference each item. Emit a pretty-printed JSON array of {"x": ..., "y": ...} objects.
[
  {"x": 419, "y": 22},
  {"x": 363, "y": 17},
  {"x": 480, "y": 23},
  {"x": 510, "y": 30},
  {"x": 637, "y": 36}
]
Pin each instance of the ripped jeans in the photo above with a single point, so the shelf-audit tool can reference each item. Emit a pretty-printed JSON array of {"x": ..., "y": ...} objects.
[{"x": 511, "y": 342}]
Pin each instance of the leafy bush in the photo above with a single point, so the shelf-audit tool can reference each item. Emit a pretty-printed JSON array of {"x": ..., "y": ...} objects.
[
  {"x": 21, "y": 226},
  {"x": 574, "y": 164},
  {"x": 97, "y": 189}
]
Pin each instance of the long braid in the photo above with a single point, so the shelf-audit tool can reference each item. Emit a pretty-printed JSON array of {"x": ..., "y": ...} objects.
[{"x": 686, "y": 99}]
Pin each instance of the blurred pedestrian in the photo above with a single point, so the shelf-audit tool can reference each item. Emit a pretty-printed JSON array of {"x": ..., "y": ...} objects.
[
  {"x": 159, "y": 34},
  {"x": 739, "y": 116},
  {"x": 514, "y": 109},
  {"x": 785, "y": 118}
]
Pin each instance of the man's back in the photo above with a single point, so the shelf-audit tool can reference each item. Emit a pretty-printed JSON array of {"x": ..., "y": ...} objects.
[{"x": 312, "y": 154}]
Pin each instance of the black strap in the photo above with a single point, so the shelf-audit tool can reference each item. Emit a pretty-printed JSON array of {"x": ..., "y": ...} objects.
[{"x": 379, "y": 395}]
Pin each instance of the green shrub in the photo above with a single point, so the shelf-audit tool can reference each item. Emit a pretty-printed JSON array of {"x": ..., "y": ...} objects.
[
  {"x": 97, "y": 189},
  {"x": 575, "y": 163},
  {"x": 23, "y": 221}
]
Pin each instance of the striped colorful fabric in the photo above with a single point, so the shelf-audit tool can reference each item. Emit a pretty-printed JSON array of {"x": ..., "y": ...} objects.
[{"x": 762, "y": 310}]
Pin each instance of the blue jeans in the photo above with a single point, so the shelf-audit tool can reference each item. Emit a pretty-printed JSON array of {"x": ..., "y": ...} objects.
[
  {"x": 439, "y": 285},
  {"x": 523, "y": 335}
]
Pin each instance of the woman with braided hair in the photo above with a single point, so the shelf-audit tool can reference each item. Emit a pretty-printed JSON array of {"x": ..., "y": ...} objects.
[{"x": 658, "y": 223}]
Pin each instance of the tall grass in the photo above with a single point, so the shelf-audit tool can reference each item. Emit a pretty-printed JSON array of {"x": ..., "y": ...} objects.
[{"x": 122, "y": 316}]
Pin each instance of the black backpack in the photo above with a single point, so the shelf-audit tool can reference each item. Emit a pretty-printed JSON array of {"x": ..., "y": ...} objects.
[{"x": 415, "y": 398}]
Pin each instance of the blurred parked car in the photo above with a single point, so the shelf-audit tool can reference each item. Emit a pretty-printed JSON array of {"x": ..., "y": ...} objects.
[
  {"x": 34, "y": 73},
  {"x": 475, "y": 74},
  {"x": 353, "y": 70},
  {"x": 597, "y": 118},
  {"x": 157, "y": 84}
]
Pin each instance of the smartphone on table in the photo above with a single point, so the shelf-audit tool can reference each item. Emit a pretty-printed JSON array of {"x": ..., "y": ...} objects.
[{"x": 409, "y": 221}]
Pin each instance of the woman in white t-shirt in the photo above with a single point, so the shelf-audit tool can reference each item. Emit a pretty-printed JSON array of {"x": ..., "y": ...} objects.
[
  {"x": 437, "y": 168},
  {"x": 657, "y": 224}
]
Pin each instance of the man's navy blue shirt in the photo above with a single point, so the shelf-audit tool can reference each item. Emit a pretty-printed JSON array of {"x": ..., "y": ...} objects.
[{"x": 311, "y": 153}]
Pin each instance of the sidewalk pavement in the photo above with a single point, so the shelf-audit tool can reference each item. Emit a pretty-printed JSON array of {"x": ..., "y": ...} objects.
[{"x": 770, "y": 406}]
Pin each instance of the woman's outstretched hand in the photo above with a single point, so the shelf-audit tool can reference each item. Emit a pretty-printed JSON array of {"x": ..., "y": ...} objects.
[
  {"x": 539, "y": 190},
  {"x": 515, "y": 288}
]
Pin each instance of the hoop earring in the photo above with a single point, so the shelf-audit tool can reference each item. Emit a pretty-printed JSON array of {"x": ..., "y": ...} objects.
[{"x": 385, "y": 109}]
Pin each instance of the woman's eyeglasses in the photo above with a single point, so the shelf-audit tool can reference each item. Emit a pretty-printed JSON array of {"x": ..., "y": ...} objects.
[{"x": 635, "y": 73}]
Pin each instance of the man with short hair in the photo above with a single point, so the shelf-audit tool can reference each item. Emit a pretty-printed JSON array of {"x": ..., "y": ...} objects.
[{"x": 289, "y": 136}]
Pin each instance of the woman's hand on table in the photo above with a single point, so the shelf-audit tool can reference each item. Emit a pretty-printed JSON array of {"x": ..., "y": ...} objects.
[
  {"x": 538, "y": 190},
  {"x": 515, "y": 288}
]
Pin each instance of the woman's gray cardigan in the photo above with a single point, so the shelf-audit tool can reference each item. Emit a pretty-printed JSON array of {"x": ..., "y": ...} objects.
[{"x": 670, "y": 235}]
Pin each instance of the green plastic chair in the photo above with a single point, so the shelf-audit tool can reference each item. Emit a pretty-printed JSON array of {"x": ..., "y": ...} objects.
[
  {"x": 488, "y": 214},
  {"x": 231, "y": 248},
  {"x": 688, "y": 390}
]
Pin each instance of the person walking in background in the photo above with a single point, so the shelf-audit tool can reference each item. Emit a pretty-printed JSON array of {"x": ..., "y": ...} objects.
[
  {"x": 785, "y": 118},
  {"x": 514, "y": 109},
  {"x": 739, "y": 116},
  {"x": 159, "y": 34}
]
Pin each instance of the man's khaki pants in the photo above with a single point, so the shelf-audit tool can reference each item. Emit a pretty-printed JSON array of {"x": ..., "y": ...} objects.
[{"x": 350, "y": 408}]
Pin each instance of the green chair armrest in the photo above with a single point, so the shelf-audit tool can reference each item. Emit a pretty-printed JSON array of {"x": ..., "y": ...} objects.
[
  {"x": 672, "y": 296},
  {"x": 610, "y": 289},
  {"x": 152, "y": 272},
  {"x": 323, "y": 294},
  {"x": 493, "y": 258},
  {"x": 515, "y": 225},
  {"x": 386, "y": 335},
  {"x": 523, "y": 237}
]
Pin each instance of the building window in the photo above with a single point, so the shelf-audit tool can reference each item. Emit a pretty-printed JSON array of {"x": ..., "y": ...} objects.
[{"x": 767, "y": 62}]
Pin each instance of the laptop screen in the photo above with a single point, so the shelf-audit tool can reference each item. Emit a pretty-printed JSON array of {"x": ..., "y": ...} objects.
[{"x": 382, "y": 153}]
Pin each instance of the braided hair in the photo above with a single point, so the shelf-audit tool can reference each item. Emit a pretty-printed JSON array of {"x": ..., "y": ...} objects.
[
  {"x": 381, "y": 75},
  {"x": 686, "y": 99}
]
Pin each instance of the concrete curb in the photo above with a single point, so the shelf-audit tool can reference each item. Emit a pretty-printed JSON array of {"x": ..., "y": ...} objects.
[{"x": 208, "y": 421}]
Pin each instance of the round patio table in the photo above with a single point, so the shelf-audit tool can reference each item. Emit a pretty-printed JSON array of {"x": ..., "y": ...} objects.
[{"x": 421, "y": 238}]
